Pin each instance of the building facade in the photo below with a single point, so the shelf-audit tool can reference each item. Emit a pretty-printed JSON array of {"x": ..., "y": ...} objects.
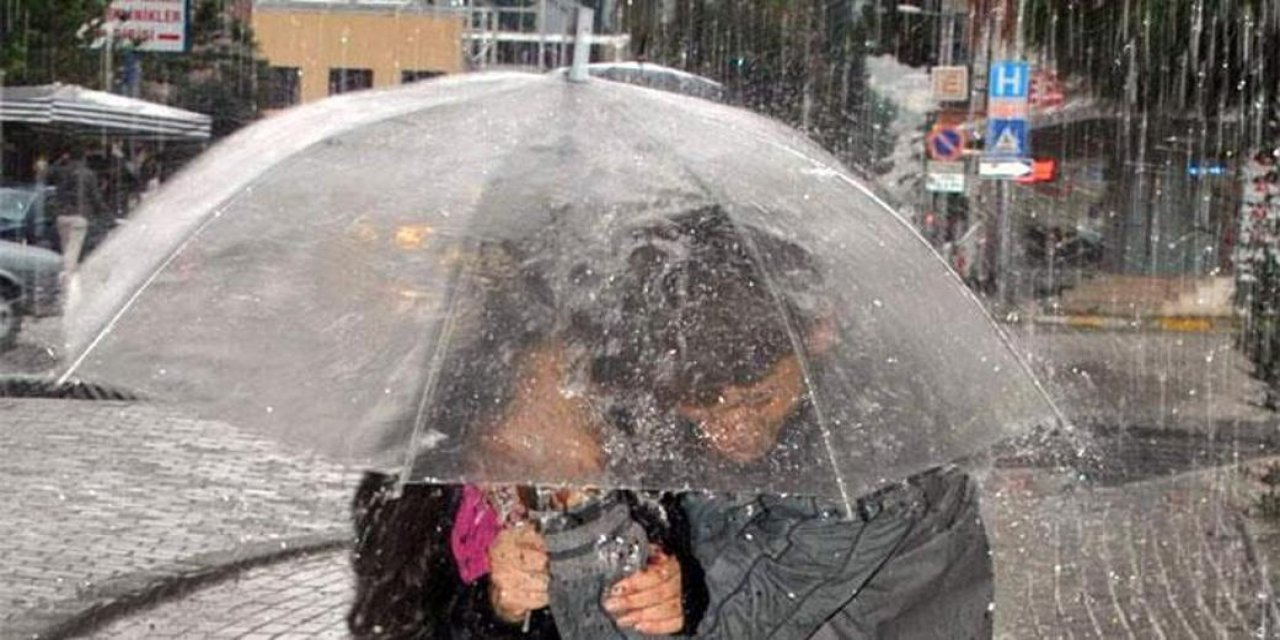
[{"x": 321, "y": 48}]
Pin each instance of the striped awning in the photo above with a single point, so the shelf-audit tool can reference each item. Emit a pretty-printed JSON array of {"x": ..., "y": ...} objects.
[{"x": 80, "y": 110}]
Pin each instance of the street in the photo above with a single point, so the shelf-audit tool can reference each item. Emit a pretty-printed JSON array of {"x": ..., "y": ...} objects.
[{"x": 1144, "y": 543}]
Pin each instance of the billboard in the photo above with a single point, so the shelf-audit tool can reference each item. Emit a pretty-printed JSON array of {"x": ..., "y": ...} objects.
[{"x": 150, "y": 25}]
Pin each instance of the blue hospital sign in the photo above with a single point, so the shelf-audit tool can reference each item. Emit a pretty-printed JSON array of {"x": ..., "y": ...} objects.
[
  {"x": 1009, "y": 79},
  {"x": 1007, "y": 110}
]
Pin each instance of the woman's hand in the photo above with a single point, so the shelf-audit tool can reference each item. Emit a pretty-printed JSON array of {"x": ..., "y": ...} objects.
[
  {"x": 519, "y": 575},
  {"x": 649, "y": 600}
]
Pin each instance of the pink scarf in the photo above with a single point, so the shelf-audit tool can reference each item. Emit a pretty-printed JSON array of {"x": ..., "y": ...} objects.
[{"x": 475, "y": 526}]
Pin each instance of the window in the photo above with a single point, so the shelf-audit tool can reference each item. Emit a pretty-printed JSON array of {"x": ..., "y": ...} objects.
[
  {"x": 417, "y": 76},
  {"x": 286, "y": 87},
  {"x": 344, "y": 80}
]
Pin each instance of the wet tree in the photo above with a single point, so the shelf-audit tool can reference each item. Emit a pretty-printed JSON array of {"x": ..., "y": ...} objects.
[
  {"x": 43, "y": 41},
  {"x": 800, "y": 62},
  {"x": 221, "y": 76}
]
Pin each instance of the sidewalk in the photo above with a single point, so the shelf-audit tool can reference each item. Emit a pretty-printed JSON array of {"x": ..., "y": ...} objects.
[
  {"x": 1156, "y": 559},
  {"x": 1143, "y": 303},
  {"x": 104, "y": 499}
]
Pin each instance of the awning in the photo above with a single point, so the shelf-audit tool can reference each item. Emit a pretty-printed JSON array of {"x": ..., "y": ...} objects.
[{"x": 78, "y": 110}]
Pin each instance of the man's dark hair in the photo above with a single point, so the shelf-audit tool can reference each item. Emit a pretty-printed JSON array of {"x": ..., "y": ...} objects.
[{"x": 703, "y": 303}]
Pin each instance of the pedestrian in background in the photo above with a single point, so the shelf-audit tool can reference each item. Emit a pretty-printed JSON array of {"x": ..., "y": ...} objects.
[{"x": 76, "y": 202}]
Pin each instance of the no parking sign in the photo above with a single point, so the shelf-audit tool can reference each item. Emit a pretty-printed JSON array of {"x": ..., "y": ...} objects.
[{"x": 945, "y": 144}]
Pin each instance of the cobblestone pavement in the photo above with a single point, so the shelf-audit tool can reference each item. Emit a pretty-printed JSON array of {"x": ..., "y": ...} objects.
[
  {"x": 1154, "y": 559},
  {"x": 1162, "y": 558},
  {"x": 95, "y": 491},
  {"x": 305, "y": 598}
]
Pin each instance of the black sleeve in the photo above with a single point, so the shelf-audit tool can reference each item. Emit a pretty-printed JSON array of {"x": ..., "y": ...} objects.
[
  {"x": 667, "y": 526},
  {"x": 405, "y": 578}
]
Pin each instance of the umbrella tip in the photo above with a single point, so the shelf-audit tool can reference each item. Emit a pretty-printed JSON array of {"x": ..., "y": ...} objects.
[{"x": 582, "y": 45}]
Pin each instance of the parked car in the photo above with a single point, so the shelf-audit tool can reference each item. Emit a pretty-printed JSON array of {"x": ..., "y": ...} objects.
[
  {"x": 25, "y": 219},
  {"x": 29, "y": 286}
]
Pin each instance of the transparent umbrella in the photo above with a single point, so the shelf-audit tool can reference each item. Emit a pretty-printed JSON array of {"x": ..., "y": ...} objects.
[{"x": 510, "y": 277}]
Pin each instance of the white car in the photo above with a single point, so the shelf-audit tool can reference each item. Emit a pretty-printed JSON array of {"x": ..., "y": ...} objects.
[{"x": 29, "y": 285}]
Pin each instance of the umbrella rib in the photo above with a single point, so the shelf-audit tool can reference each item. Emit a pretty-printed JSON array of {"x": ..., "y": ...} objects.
[
  {"x": 1004, "y": 339},
  {"x": 794, "y": 336},
  {"x": 797, "y": 345},
  {"x": 434, "y": 367}
]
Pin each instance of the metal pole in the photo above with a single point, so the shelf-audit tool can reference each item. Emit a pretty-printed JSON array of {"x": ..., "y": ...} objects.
[
  {"x": 582, "y": 46},
  {"x": 2, "y": 85},
  {"x": 110, "y": 36},
  {"x": 1004, "y": 244}
]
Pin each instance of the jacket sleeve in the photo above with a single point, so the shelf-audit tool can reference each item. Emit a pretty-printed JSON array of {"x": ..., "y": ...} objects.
[{"x": 779, "y": 568}]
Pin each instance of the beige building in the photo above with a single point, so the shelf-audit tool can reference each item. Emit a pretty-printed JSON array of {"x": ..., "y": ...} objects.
[{"x": 321, "y": 48}]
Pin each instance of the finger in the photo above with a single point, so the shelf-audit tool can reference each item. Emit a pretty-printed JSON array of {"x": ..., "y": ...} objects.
[
  {"x": 662, "y": 580},
  {"x": 648, "y": 578},
  {"x": 657, "y": 596},
  {"x": 519, "y": 602},
  {"x": 663, "y": 627},
  {"x": 522, "y": 559},
  {"x": 657, "y": 615},
  {"x": 522, "y": 582}
]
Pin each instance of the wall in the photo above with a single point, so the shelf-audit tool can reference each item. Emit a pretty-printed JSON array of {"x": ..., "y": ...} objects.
[{"x": 318, "y": 39}]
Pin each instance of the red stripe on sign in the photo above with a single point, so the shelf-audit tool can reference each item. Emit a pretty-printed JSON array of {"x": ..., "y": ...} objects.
[{"x": 168, "y": 36}]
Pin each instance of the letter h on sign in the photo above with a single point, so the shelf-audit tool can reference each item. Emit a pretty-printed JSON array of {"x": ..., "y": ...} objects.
[{"x": 1010, "y": 80}]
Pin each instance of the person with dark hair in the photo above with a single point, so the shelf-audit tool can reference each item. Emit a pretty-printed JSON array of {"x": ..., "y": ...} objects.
[
  {"x": 691, "y": 353},
  {"x": 703, "y": 336},
  {"x": 497, "y": 561},
  {"x": 76, "y": 203}
]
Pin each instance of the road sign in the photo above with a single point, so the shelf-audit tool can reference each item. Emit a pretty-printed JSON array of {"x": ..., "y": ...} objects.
[
  {"x": 1008, "y": 89},
  {"x": 1007, "y": 138},
  {"x": 1010, "y": 80},
  {"x": 945, "y": 143},
  {"x": 944, "y": 177},
  {"x": 1004, "y": 168},
  {"x": 950, "y": 84},
  {"x": 151, "y": 25}
]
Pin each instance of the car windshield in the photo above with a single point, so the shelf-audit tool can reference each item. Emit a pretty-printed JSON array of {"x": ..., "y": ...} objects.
[{"x": 14, "y": 204}]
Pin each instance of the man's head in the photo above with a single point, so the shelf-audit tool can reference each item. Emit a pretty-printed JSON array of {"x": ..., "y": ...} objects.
[{"x": 708, "y": 324}]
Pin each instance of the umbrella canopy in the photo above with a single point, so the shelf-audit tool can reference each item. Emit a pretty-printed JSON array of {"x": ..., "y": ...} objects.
[
  {"x": 77, "y": 109},
  {"x": 463, "y": 272},
  {"x": 656, "y": 76}
]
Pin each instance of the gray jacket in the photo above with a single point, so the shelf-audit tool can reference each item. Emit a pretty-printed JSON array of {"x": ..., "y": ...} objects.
[{"x": 912, "y": 563}]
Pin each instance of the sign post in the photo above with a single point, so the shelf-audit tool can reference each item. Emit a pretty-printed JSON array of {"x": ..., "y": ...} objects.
[{"x": 1007, "y": 153}]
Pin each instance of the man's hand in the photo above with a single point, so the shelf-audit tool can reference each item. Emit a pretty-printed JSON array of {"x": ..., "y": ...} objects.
[
  {"x": 518, "y": 573},
  {"x": 649, "y": 600}
]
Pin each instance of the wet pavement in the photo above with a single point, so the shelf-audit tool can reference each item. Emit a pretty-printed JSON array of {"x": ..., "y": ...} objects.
[
  {"x": 99, "y": 491},
  {"x": 1156, "y": 559},
  {"x": 1141, "y": 546}
]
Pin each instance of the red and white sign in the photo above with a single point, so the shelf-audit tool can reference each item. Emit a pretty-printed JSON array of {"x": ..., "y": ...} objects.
[
  {"x": 1047, "y": 91},
  {"x": 151, "y": 25}
]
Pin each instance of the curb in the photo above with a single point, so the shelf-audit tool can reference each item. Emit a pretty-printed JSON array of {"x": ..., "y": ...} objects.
[
  {"x": 122, "y": 595},
  {"x": 1177, "y": 324}
]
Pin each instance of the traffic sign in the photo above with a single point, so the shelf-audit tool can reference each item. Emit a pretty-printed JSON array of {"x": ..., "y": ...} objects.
[
  {"x": 1010, "y": 79},
  {"x": 944, "y": 177},
  {"x": 945, "y": 143},
  {"x": 1007, "y": 138},
  {"x": 950, "y": 84},
  {"x": 1004, "y": 168},
  {"x": 1008, "y": 89}
]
